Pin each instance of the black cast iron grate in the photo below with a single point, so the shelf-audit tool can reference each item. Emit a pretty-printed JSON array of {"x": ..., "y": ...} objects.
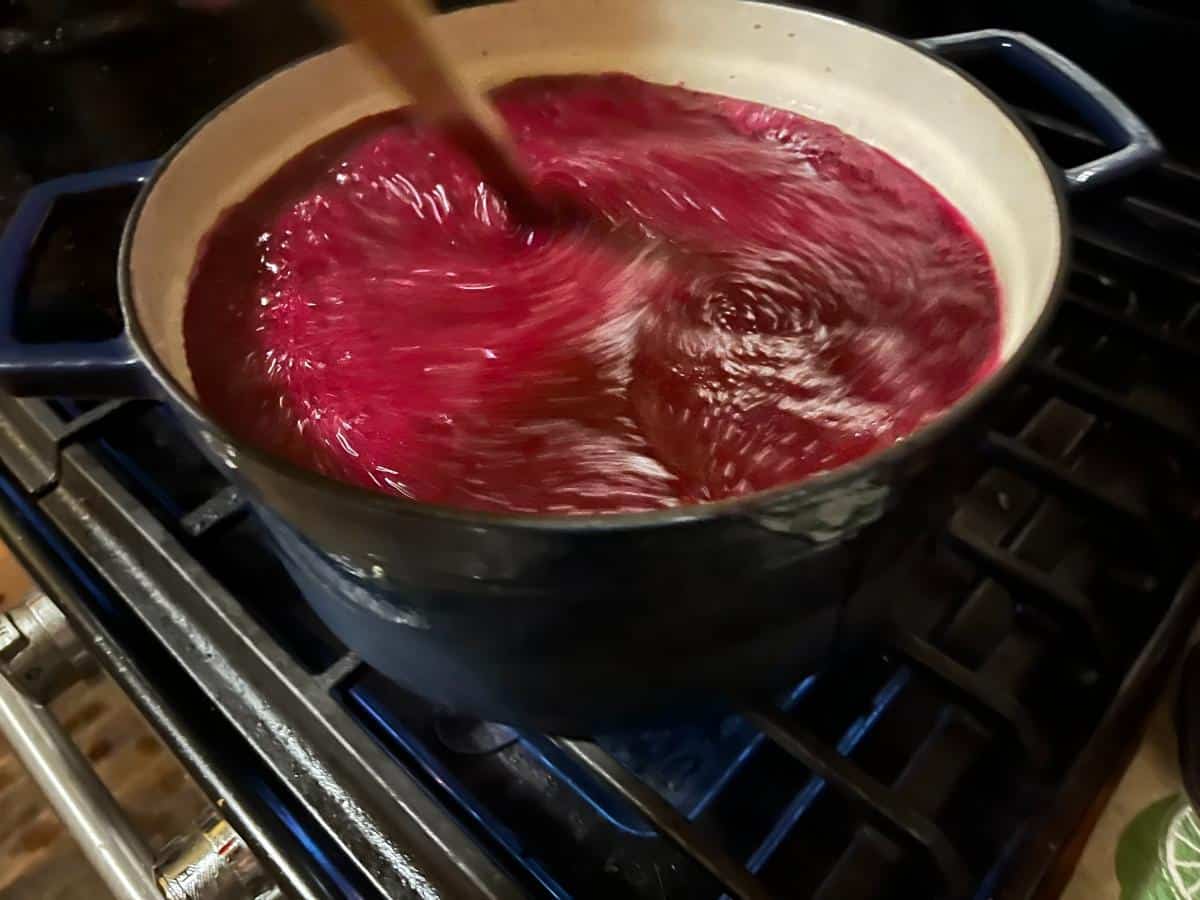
[{"x": 1032, "y": 634}]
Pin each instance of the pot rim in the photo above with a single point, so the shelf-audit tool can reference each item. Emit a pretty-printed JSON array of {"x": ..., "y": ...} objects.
[{"x": 809, "y": 491}]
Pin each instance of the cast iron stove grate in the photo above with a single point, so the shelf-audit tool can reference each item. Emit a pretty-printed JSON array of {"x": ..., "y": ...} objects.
[{"x": 1033, "y": 631}]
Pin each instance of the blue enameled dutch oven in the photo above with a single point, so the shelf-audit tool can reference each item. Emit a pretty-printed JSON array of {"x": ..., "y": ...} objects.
[{"x": 574, "y": 623}]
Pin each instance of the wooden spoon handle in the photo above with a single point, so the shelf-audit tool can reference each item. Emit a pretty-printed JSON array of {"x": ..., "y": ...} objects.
[{"x": 399, "y": 35}]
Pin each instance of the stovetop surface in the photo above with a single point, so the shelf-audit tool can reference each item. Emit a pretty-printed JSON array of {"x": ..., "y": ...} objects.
[{"x": 1035, "y": 627}]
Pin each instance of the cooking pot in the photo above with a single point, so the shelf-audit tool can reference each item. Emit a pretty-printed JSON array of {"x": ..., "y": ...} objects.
[{"x": 573, "y": 623}]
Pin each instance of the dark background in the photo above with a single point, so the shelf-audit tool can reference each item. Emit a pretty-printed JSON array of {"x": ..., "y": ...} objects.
[{"x": 87, "y": 83}]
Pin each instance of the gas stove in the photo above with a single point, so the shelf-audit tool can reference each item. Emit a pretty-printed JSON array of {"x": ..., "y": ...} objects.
[{"x": 1035, "y": 624}]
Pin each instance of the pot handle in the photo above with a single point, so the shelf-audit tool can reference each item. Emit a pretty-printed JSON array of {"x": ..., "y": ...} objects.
[
  {"x": 1100, "y": 108},
  {"x": 100, "y": 368}
]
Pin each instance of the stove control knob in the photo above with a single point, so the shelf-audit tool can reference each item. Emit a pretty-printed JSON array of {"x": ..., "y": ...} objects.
[{"x": 212, "y": 863}]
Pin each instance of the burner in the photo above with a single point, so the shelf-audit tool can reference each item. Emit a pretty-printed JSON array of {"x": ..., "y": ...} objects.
[{"x": 691, "y": 764}]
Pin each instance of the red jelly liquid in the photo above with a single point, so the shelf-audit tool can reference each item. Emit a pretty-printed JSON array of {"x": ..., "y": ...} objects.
[{"x": 372, "y": 313}]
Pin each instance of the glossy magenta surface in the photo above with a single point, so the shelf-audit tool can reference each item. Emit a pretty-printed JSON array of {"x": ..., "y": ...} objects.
[{"x": 801, "y": 300}]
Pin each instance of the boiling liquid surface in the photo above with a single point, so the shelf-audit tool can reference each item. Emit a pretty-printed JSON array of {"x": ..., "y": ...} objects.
[{"x": 371, "y": 312}]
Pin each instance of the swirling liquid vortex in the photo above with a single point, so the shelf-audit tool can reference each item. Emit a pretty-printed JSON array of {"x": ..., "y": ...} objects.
[{"x": 372, "y": 313}]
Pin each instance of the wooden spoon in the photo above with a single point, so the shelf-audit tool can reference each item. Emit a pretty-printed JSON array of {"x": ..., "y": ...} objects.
[{"x": 399, "y": 35}]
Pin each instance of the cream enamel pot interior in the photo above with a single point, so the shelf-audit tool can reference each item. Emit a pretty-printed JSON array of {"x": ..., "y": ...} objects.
[{"x": 518, "y": 617}]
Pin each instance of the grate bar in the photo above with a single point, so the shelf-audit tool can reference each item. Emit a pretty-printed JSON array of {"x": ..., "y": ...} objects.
[
  {"x": 873, "y": 797},
  {"x": 928, "y": 783},
  {"x": 733, "y": 875},
  {"x": 398, "y": 837},
  {"x": 32, "y": 436},
  {"x": 338, "y": 670},
  {"x": 1106, "y": 748},
  {"x": 1161, "y": 216},
  {"x": 1056, "y": 477},
  {"x": 1035, "y": 588},
  {"x": 978, "y": 691},
  {"x": 870, "y": 859},
  {"x": 456, "y": 792},
  {"x": 29, "y": 442},
  {"x": 1084, "y": 392},
  {"x": 1147, "y": 255},
  {"x": 221, "y": 507},
  {"x": 1140, "y": 330},
  {"x": 83, "y": 423}
]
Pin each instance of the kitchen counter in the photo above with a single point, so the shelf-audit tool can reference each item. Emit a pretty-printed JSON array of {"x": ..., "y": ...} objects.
[{"x": 1152, "y": 775}]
